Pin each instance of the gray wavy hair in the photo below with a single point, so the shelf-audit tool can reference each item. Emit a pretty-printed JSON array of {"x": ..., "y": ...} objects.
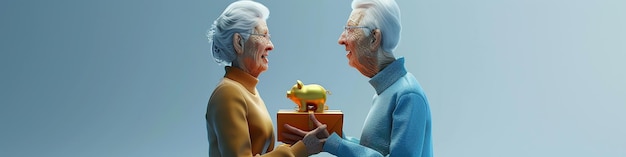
[
  {"x": 238, "y": 17},
  {"x": 384, "y": 15}
]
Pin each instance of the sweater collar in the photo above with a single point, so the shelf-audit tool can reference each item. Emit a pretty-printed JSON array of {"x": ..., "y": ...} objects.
[
  {"x": 248, "y": 81},
  {"x": 389, "y": 75}
]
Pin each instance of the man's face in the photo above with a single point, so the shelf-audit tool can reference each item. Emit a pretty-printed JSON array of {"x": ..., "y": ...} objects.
[
  {"x": 256, "y": 50},
  {"x": 357, "y": 45}
]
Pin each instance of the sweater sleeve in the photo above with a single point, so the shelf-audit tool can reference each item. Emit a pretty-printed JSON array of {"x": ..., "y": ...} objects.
[
  {"x": 341, "y": 147},
  {"x": 284, "y": 150},
  {"x": 229, "y": 121},
  {"x": 408, "y": 132}
]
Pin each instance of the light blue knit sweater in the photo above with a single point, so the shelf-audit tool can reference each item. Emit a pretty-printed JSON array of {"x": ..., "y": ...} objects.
[{"x": 398, "y": 123}]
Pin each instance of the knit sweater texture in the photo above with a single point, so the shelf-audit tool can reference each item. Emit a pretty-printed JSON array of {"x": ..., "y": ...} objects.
[
  {"x": 238, "y": 123},
  {"x": 398, "y": 123}
]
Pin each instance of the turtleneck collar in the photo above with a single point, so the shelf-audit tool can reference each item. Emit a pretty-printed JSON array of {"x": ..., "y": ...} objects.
[
  {"x": 245, "y": 79},
  {"x": 385, "y": 78}
]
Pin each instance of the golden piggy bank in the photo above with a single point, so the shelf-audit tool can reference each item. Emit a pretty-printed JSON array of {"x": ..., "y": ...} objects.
[{"x": 310, "y": 97}]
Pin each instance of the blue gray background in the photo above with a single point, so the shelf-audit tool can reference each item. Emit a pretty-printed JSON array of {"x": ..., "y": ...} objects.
[{"x": 508, "y": 78}]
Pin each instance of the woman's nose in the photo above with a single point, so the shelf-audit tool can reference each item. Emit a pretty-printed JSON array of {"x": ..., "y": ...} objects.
[{"x": 270, "y": 46}]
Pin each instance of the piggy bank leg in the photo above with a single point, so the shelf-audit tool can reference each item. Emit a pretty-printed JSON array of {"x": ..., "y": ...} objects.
[
  {"x": 321, "y": 106},
  {"x": 303, "y": 106}
]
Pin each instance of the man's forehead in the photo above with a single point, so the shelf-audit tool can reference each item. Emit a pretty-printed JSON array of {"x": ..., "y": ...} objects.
[{"x": 355, "y": 17}]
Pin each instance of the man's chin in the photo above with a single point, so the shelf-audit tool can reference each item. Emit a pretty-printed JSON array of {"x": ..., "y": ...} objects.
[{"x": 352, "y": 65}]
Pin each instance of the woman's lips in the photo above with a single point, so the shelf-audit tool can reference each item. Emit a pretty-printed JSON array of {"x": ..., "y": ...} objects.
[{"x": 264, "y": 57}]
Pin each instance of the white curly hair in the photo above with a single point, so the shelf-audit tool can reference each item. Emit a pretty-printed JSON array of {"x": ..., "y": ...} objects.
[{"x": 239, "y": 17}]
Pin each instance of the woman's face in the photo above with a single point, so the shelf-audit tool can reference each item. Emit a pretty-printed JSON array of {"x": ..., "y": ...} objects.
[{"x": 256, "y": 50}]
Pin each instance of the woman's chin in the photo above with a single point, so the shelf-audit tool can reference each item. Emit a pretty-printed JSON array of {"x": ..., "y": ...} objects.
[{"x": 263, "y": 68}]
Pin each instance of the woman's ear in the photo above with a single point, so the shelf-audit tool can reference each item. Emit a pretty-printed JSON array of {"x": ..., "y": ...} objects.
[
  {"x": 238, "y": 43},
  {"x": 376, "y": 38}
]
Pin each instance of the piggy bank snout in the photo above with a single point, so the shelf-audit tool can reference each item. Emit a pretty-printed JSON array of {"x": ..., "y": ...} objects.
[{"x": 290, "y": 94}]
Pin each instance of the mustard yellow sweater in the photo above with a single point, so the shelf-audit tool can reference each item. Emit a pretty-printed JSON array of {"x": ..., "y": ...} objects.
[{"x": 238, "y": 123}]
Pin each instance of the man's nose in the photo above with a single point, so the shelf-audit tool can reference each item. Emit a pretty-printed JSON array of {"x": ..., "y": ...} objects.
[{"x": 342, "y": 38}]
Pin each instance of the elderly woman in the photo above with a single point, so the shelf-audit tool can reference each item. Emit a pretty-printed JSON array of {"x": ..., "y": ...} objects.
[{"x": 238, "y": 123}]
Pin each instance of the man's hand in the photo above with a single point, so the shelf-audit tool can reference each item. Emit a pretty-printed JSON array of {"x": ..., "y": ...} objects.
[
  {"x": 313, "y": 140},
  {"x": 314, "y": 144}
]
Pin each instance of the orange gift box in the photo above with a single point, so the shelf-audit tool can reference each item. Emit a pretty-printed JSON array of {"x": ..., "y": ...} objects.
[{"x": 332, "y": 118}]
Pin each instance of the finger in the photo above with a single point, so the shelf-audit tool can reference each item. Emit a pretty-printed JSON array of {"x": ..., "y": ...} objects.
[
  {"x": 295, "y": 130},
  {"x": 292, "y": 137},
  {"x": 326, "y": 134},
  {"x": 323, "y": 133},
  {"x": 319, "y": 129},
  {"x": 314, "y": 120}
]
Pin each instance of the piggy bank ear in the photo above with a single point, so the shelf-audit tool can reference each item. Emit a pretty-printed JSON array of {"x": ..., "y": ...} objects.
[{"x": 299, "y": 84}]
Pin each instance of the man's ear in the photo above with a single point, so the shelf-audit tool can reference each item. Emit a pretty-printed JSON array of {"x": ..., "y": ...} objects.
[
  {"x": 376, "y": 38},
  {"x": 237, "y": 43}
]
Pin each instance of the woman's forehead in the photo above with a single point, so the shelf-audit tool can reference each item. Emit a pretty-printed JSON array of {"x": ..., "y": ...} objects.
[{"x": 261, "y": 27}]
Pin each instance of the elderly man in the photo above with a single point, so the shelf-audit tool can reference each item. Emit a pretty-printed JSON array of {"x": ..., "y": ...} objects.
[{"x": 399, "y": 121}]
